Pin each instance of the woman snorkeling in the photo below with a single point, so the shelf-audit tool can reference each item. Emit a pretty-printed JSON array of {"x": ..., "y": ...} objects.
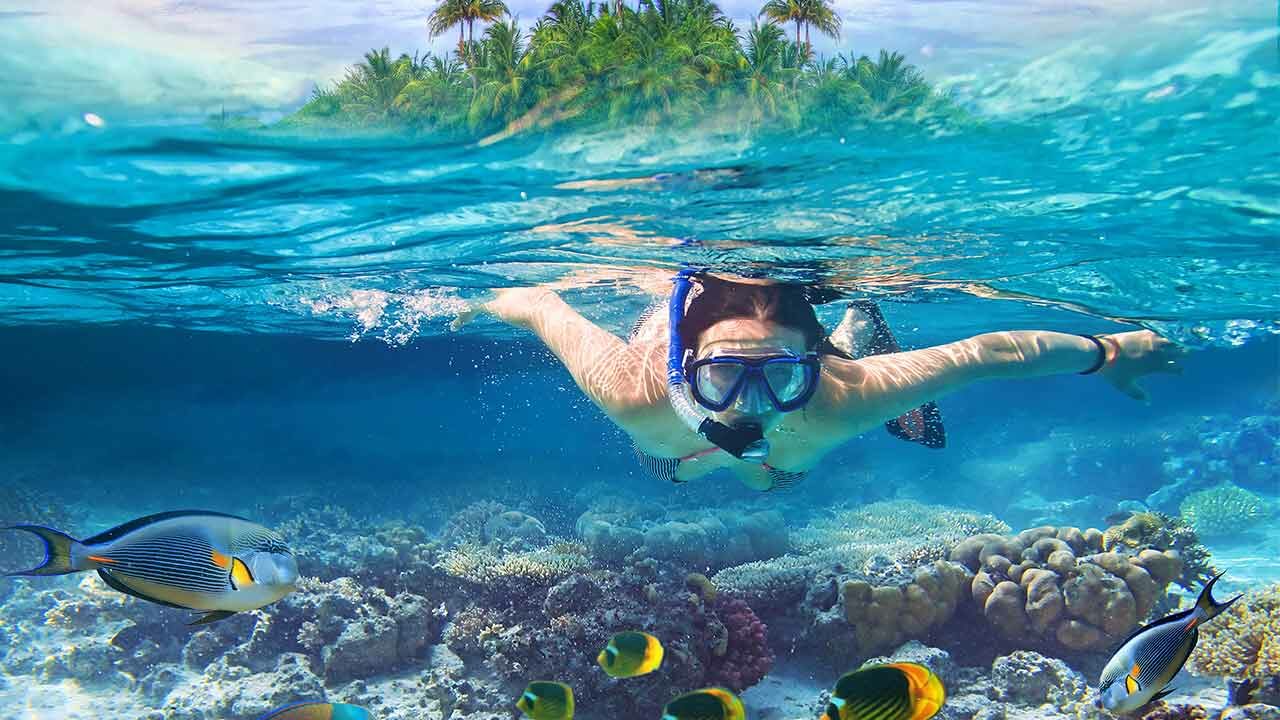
[{"x": 740, "y": 374}]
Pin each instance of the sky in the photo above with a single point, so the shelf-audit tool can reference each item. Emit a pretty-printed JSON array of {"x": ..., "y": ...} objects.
[{"x": 194, "y": 54}]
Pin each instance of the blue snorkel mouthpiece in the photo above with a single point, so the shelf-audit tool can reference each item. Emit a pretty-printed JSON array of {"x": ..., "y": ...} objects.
[{"x": 745, "y": 442}]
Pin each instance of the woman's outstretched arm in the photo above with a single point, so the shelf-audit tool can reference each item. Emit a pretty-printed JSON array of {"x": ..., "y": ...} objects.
[
  {"x": 613, "y": 374},
  {"x": 866, "y": 392}
]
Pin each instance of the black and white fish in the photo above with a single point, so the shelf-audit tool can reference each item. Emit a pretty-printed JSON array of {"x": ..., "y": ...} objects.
[
  {"x": 193, "y": 559},
  {"x": 1148, "y": 659}
]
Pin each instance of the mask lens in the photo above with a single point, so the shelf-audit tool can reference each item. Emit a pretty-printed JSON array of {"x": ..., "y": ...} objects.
[
  {"x": 788, "y": 380},
  {"x": 716, "y": 381}
]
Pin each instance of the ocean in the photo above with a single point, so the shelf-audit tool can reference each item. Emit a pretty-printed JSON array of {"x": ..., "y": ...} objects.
[{"x": 257, "y": 321}]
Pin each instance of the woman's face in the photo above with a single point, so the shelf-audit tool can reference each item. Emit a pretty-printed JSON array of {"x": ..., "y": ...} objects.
[{"x": 749, "y": 337}]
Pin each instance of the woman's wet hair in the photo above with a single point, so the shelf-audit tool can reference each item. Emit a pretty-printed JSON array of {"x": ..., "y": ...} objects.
[{"x": 783, "y": 304}]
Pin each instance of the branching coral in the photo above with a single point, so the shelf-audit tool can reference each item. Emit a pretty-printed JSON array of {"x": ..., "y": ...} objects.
[
  {"x": 467, "y": 525},
  {"x": 778, "y": 582},
  {"x": 894, "y": 522},
  {"x": 1243, "y": 642},
  {"x": 1223, "y": 510},
  {"x": 482, "y": 565}
]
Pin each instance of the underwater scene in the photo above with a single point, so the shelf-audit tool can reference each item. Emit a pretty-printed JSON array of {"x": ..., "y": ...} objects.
[{"x": 819, "y": 359}]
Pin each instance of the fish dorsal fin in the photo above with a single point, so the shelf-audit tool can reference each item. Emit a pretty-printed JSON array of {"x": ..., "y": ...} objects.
[
  {"x": 1176, "y": 617},
  {"x": 119, "y": 531},
  {"x": 121, "y": 587}
]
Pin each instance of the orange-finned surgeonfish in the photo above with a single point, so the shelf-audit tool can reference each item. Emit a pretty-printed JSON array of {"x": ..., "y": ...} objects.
[
  {"x": 198, "y": 560},
  {"x": 1149, "y": 658}
]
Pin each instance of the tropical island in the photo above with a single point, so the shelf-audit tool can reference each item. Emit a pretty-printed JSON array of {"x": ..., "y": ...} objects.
[{"x": 673, "y": 62}]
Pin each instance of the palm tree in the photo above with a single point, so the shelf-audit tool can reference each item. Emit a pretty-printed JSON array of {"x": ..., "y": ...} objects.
[
  {"x": 447, "y": 14},
  {"x": 804, "y": 13},
  {"x": 819, "y": 14},
  {"x": 892, "y": 84},
  {"x": 764, "y": 53},
  {"x": 784, "y": 11},
  {"x": 501, "y": 74},
  {"x": 371, "y": 87},
  {"x": 464, "y": 13},
  {"x": 558, "y": 41},
  {"x": 482, "y": 10}
]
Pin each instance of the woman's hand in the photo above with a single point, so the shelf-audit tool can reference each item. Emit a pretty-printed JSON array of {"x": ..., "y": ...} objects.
[
  {"x": 1131, "y": 355},
  {"x": 514, "y": 306}
]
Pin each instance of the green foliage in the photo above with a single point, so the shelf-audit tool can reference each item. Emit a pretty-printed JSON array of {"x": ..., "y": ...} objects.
[{"x": 670, "y": 61}]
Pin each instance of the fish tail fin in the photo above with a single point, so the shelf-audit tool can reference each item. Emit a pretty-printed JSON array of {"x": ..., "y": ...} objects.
[
  {"x": 1206, "y": 607},
  {"x": 58, "y": 557}
]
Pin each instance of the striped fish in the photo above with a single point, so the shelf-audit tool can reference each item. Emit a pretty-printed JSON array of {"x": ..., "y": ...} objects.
[
  {"x": 1148, "y": 659},
  {"x": 193, "y": 559},
  {"x": 318, "y": 711},
  {"x": 705, "y": 704},
  {"x": 894, "y": 691}
]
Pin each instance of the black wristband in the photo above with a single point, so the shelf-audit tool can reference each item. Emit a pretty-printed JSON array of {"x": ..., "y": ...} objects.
[{"x": 1102, "y": 355}]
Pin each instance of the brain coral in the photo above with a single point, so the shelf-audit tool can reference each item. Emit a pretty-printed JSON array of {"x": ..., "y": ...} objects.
[
  {"x": 885, "y": 616},
  {"x": 1223, "y": 510},
  {"x": 1154, "y": 531},
  {"x": 1051, "y": 586},
  {"x": 1243, "y": 642}
]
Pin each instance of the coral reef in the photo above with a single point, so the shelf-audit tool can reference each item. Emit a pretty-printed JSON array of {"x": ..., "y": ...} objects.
[
  {"x": 886, "y": 615},
  {"x": 1244, "y": 451},
  {"x": 487, "y": 566},
  {"x": 1244, "y": 641},
  {"x": 1029, "y": 678},
  {"x": 882, "y": 543},
  {"x": 516, "y": 530},
  {"x": 1143, "y": 531},
  {"x": 1055, "y": 588},
  {"x": 468, "y": 524},
  {"x": 412, "y": 626},
  {"x": 744, "y": 657},
  {"x": 705, "y": 641},
  {"x": 1224, "y": 510},
  {"x": 701, "y": 541},
  {"x": 332, "y": 543}
]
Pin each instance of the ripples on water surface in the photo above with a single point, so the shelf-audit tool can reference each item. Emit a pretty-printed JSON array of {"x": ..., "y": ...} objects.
[{"x": 1135, "y": 183}]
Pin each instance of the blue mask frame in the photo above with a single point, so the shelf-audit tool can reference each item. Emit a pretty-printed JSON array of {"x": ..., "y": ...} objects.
[{"x": 754, "y": 371}]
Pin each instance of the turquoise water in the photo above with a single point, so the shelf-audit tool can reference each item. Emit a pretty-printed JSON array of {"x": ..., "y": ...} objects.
[{"x": 258, "y": 323}]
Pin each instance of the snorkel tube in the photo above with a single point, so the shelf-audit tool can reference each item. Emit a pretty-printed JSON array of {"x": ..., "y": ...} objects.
[{"x": 746, "y": 443}]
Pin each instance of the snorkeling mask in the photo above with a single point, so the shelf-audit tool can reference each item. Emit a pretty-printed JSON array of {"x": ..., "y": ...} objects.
[
  {"x": 716, "y": 383},
  {"x": 786, "y": 380}
]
